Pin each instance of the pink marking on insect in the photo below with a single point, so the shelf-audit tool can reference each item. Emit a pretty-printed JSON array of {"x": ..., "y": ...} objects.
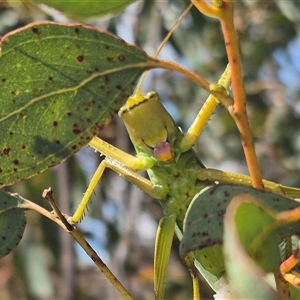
[{"x": 163, "y": 152}]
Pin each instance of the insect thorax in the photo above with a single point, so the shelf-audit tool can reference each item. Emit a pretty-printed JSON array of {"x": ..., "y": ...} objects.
[{"x": 179, "y": 178}]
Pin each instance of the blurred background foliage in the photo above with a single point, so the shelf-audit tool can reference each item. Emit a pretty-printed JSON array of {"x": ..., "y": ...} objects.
[{"x": 121, "y": 221}]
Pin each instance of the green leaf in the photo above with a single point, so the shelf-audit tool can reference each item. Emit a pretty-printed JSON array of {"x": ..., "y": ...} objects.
[
  {"x": 256, "y": 225},
  {"x": 59, "y": 85},
  {"x": 247, "y": 279},
  {"x": 210, "y": 263},
  {"x": 204, "y": 223},
  {"x": 87, "y": 8},
  {"x": 295, "y": 292},
  {"x": 12, "y": 222}
]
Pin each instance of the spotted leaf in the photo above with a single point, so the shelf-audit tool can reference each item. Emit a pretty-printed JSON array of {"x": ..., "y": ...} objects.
[
  {"x": 12, "y": 222},
  {"x": 204, "y": 223},
  {"x": 59, "y": 85}
]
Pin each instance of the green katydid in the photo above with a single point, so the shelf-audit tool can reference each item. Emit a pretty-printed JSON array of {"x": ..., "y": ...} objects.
[{"x": 176, "y": 174}]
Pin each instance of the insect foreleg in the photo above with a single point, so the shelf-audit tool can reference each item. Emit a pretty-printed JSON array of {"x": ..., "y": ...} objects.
[
  {"x": 191, "y": 136},
  {"x": 155, "y": 191},
  {"x": 86, "y": 198},
  {"x": 136, "y": 163},
  {"x": 136, "y": 179}
]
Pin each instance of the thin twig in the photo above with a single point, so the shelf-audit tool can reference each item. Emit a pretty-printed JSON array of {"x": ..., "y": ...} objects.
[
  {"x": 48, "y": 195},
  {"x": 224, "y": 12},
  {"x": 60, "y": 219}
]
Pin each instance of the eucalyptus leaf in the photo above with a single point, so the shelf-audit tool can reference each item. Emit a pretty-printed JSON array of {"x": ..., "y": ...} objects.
[
  {"x": 204, "y": 222},
  {"x": 252, "y": 284},
  {"x": 256, "y": 226},
  {"x": 87, "y": 8},
  {"x": 59, "y": 85},
  {"x": 12, "y": 222}
]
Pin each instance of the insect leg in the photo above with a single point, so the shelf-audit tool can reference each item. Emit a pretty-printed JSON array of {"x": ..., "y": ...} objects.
[
  {"x": 233, "y": 178},
  {"x": 190, "y": 138},
  {"x": 86, "y": 198},
  {"x": 163, "y": 243},
  {"x": 189, "y": 262},
  {"x": 136, "y": 163},
  {"x": 136, "y": 179},
  {"x": 154, "y": 190}
]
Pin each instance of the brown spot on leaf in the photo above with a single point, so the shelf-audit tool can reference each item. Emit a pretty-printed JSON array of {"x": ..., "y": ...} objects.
[
  {"x": 76, "y": 130},
  {"x": 69, "y": 114},
  {"x": 16, "y": 162},
  {"x": 211, "y": 191},
  {"x": 55, "y": 123},
  {"x": 221, "y": 212},
  {"x": 3, "y": 79},
  {"x": 35, "y": 30},
  {"x": 6, "y": 151},
  {"x": 118, "y": 86},
  {"x": 226, "y": 194},
  {"x": 50, "y": 78},
  {"x": 76, "y": 30},
  {"x": 121, "y": 57},
  {"x": 80, "y": 58}
]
